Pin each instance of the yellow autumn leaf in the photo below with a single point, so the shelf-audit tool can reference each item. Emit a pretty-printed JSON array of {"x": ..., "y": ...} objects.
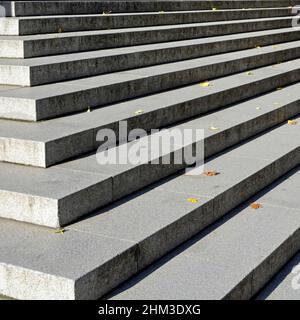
[
  {"x": 257, "y": 47},
  {"x": 139, "y": 111},
  {"x": 249, "y": 73},
  {"x": 205, "y": 84},
  {"x": 60, "y": 231},
  {"x": 192, "y": 200},
  {"x": 292, "y": 122},
  {"x": 214, "y": 9}
]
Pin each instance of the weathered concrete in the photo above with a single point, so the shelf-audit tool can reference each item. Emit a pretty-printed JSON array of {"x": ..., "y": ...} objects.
[
  {"x": 232, "y": 259},
  {"x": 38, "y": 8},
  {"x": 61, "y": 43},
  {"x": 54, "y": 24},
  {"x": 42, "y": 70},
  {"x": 56, "y": 99},
  {"x": 48, "y": 197},
  {"x": 128, "y": 236}
]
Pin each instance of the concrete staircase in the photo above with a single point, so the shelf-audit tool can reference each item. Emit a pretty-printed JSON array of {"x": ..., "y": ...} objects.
[{"x": 71, "y": 228}]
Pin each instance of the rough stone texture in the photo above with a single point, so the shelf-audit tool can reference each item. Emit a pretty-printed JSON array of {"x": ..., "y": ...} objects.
[{"x": 133, "y": 234}]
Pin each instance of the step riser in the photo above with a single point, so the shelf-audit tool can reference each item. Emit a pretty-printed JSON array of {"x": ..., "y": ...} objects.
[
  {"x": 90, "y": 7},
  {"x": 106, "y": 277},
  {"x": 37, "y": 75},
  {"x": 34, "y": 110},
  {"x": 62, "y": 45},
  {"x": 28, "y": 208},
  {"x": 71, "y": 24},
  {"x": 264, "y": 272},
  {"x": 40, "y": 155}
]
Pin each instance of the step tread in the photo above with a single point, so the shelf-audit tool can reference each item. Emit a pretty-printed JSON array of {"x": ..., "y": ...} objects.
[
  {"x": 40, "y": 61},
  {"x": 230, "y": 250},
  {"x": 113, "y": 234},
  {"x": 51, "y": 100},
  {"x": 46, "y": 131},
  {"x": 109, "y": 179},
  {"x": 137, "y": 29}
]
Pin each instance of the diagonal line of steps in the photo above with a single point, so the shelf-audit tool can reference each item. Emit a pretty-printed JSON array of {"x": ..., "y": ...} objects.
[
  {"x": 42, "y": 70},
  {"x": 52, "y": 100},
  {"x": 39, "y": 8},
  {"x": 233, "y": 258},
  {"x": 46, "y": 143},
  {"x": 61, "y": 43},
  {"x": 96, "y": 254},
  {"x": 63, "y": 193},
  {"x": 55, "y": 24}
]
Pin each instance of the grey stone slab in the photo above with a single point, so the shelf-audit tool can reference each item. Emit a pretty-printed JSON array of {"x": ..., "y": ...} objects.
[
  {"x": 51, "y": 100},
  {"x": 70, "y": 23},
  {"x": 38, "y": 8},
  {"x": 49, "y": 197},
  {"x": 41, "y": 70},
  {"x": 72, "y": 265},
  {"x": 61, "y": 43},
  {"x": 232, "y": 259},
  {"x": 45, "y": 143},
  {"x": 285, "y": 284},
  {"x": 139, "y": 220}
]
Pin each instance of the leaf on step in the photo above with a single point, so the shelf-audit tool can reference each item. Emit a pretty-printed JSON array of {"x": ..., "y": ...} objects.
[
  {"x": 192, "y": 200},
  {"x": 211, "y": 173},
  {"x": 255, "y": 205},
  {"x": 213, "y": 128},
  {"x": 257, "y": 47},
  {"x": 139, "y": 111},
  {"x": 292, "y": 122},
  {"x": 161, "y": 12},
  {"x": 60, "y": 30},
  {"x": 89, "y": 109},
  {"x": 258, "y": 108},
  {"x": 105, "y": 13},
  {"x": 249, "y": 73},
  {"x": 214, "y": 9},
  {"x": 279, "y": 88},
  {"x": 60, "y": 231},
  {"x": 205, "y": 84}
]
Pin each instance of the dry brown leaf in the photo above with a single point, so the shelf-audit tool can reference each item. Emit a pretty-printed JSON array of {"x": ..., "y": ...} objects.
[
  {"x": 211, "y": 173},
  {"x": 60, "y": 231},
  {"x": 255, "y": 205}
]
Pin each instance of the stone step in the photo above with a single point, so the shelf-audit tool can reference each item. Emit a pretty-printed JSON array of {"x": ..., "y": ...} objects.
[
  {"x": 95, "y": 255},
  {"x": 62, "y": 43},
  {"x": 234, "y": 257},
  {"x": 46, "y": 143},
  {"x": 52, "y": 100},
  {"x": 71, "y": 23},
  {"x": 42, "y": 70},
  {"x": 40, "y": 8},
  {"x": 285, "y": 284},
  {"x": 65, "y": 192}
]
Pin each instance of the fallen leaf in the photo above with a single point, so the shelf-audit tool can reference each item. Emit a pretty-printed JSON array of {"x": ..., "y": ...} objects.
[
  {"x": 161, "y": 12},
  {"x": 256, "y": 205},
  {"x": 105, "y": 13},
  {"x": 192, "y": 200},
  {"x": 214, "y": 9},
  {"x": 60, "y": 30},
  {"x": 257, "y": 47},
  {"x": 211, "y": 173},
  {"x": 212, "y": 127},
  {"x": 292, "y": 122},
  {"x": 60, "y": 231},
  {"x": 279, "y": 88},
  {"x": 258, "y": 108},
  {"x": 139, "y": 111},
  {"x": 89, "y": 109},
  {"x": 249, "y": 73},
  {"x": 205, "y": 84}
]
